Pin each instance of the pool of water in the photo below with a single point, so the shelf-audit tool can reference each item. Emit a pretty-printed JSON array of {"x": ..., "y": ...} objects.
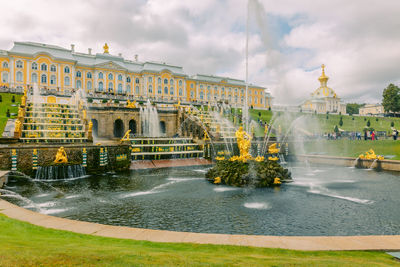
[{"x": 320, "y": 201}]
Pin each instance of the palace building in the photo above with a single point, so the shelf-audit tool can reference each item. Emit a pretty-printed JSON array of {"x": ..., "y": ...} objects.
[
  {"x": 324, "y": 99},
  {"x": 62, "y": 70}
]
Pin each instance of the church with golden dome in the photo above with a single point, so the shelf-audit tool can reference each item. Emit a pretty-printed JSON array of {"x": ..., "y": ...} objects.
[{"x": 324, "y": 99}]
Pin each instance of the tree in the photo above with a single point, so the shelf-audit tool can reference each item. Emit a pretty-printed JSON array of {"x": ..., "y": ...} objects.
[
  {"x": 353, "y": 108},
  {"x": 377, "y": 119},
  {"x": 336, "y": 129},
  {"x": 368, "y": 123},
  {"x": 341, "y": 121},
  {"x": 392, "y": 124},
  {"x": 1, "y": 98},
  {"x": 391, "y": 98},
  {"x": 13, "y": 99},
  {"x": 352, "y": 118},
  {"x": 8, "y": 113},
  {"x": 327, "y": 117}
]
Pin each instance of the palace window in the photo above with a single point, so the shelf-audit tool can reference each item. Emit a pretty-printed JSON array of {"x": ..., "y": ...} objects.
[
  {"x": 255, "y": 92},
  {"x": 110, "y": 86},
  {"x": 53, "y": 79},
  {"x": 44, "y": 78},
  {"x": 242, "y": 91},
  {"x": 166, "y": 90},
  {"x": 119, "y": 77},
  {"x": 5, "y": 64},
  {"x": 171, "y": 81},
  {"x": 159, "y": 90},
  {"x": 201, "y": 87},
  {"x": 128, "y": 89},
  {"x": 165, "y": 81},
  {"x": 78, "y": 74},
  {"x": 191, "y": 94},
  {"x": 4, "y": 77},
  {"x": 89, "y": 85},
  {"x": 66, "y": 69},
  {"x": 137, "y": 80},
  {"x": 34, "y": 78},
  {"x": 261, "y": 100},
  {"x": 128, "y": 79},
  {"x": 255, "y": 100},
  {"x": 208, "y": 97},
  {"x": 53, "y": 68},
  {"x": 180, "y": 91},
  {"x": 100, "y": 86},
  {"x": 171, "y": 90},
  {"x": 191, "y": 85},
  {"x": 242, "y": 99},
  {"x": 34, "y": 66},
  {"x": 216, "y": 90},
  {"x": 43, "y": 67},
  {"x": 236, "y": 99},
  {"x": 180, "y": 82},
  {"x": 19, "y": 64},
  {"x": 236, "y": 90},
  {"x": 66, "y": 81},
  {"x": 89, "y": 75},
  {"x": 19, "y": 76},
  {"x": 201, "y": 95},
  {"x": 110, "y": 76},
  {"x": 150, "y": 79},
  {"x": 150, "y": 89},
  {"x": 223, "y": 90},
  {"x": 137, "y": 90},
  {"x": 78, "y": 84},
  {"x": 120, "y": 88},
  {"x": 230, "y": 90},
  {"x": 100, "y": 75},
  {"x": 159, "y": 80}
]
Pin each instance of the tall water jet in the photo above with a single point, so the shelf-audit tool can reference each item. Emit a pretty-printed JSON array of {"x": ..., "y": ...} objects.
[{"x": 150, "y": 120}]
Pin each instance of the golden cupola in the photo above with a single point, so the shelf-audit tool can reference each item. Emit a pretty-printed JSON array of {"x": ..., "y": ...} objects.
[{"x": 323, "y": 79}]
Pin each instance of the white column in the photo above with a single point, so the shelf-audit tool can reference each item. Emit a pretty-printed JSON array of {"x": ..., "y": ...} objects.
[
  {"x": 11, "y": 72},
  {"x": 59, "y": 76}
]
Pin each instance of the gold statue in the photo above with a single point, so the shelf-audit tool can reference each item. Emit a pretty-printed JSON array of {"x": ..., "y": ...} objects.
[
  {"x": 61, "y": 156},
  {"x": 218, "y": 129},
  {"x": 272, "y": 149},
  {"x": 243, "y": 140},
  {"x": 20, "y": 112},
  {"x": 130, "y": 104},
  {"x": 84, "y": 114},
  {"x": 90, "y": 126},
  {"x": 266, "y": 129},
  {"x": 18, "y": 128},
  {"x": 105, "y": 47},
  {"x": 23, "y": 101}
]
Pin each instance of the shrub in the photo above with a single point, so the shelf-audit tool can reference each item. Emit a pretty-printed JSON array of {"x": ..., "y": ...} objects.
[
  {"x": 327, "y": 117},
  {"x": 377, "y": 119},
  {"x": 1, "y": 98},
  {"x": 90, "y": 100},
  {"x": 13, "y": 99},
  {"x": 365, "y": 119},
  {"x": 104, "y": 101},
  {"x": 336, "y": 129},
  {"x": 368, "y": 123},
  {"x": 352, "y": 118},
  {"x": 8, "y": 113},
  {"x": 341, "y": 121},
  {"x": 392, "y": 124},
  {"x": 116, "y": 101}
]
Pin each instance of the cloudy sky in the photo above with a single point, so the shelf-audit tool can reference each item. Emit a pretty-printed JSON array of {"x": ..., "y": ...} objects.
[{"x": 358, "y": 40}]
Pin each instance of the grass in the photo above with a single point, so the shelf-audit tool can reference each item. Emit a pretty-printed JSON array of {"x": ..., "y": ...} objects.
[
  {"x": 353, "y": 148},
  {"x": 6, "y": 104},
  {"x": 23, "y": 244}
]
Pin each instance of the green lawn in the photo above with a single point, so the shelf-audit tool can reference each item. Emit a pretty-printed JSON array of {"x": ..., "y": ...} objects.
[
  {"x": 353, "y": 148},
  {"x": 23, "y": 244},
  {"x": 6, "y": 104}
]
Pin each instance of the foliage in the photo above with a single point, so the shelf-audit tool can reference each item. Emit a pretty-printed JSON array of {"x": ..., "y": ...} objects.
[
  {"x": 341, "y": 121},
  {"x": 377, "y": 119},
  {"x": 8, "y": 113},
  {"x": 238, "y": 173},
  {"x": 1, "y": 98},
  {"x": 90, "y": 100},
  {"x": 13, "y": 99},
  {"x": 116, "y": 101},
  {"x": 392, "y": 124},
  {"x": 353, "y": 108},
  {"x": 391, "y": 98},
  {"x": 327, "y": 117},
  {"x": 352, "y": 118},
  {"x": 104, "y": 101},
  {"x": 368, "y": 123},
  {"x": 336, "y": 129}
]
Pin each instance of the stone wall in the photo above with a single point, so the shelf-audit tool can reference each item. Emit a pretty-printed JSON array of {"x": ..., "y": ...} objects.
[{"x": 46, "y": 156}]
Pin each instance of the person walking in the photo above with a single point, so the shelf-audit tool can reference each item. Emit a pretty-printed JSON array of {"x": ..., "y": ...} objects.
[
  {"x": 372, "y": 135},
  {"x": 365, "y": 136}
]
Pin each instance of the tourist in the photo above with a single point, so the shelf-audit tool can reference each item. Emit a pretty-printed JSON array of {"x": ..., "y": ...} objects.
[
  {"x": 394, "y": 134},
  {"x": 372, "y": 135},
  {"x": 365, "y": 136}
]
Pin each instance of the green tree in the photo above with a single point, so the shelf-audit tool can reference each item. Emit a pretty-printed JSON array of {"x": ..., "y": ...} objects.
[
  {"x": 341, "y": 121},
  {"x": 8, "y": 113},
  {"x": 352, "y": 118},
  {"x": 1, "y": 98},
  {"x": 391, "y": 98},
  {"x": 368, "y": 123},
  {"x": 353, "y": 108},
  {"x": 13, "y": 99},
  {"x": 336, "y": 129},
  {"x": 392, "y": 124}
]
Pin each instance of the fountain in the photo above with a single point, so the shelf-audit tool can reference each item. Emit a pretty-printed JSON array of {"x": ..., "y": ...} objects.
[{"x": 150, "y": 120}]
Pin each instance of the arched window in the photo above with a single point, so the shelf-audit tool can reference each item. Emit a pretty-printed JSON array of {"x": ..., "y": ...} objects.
[
  {"x": 66, "y": 81},
  {"x": 53, "y": 80},
  {"x": 159, "y": 80},
  {"x": 242, "y": 91},
  {"x": 44, "y": 78},
  {"x": 166, "y": 90},
  {"x": 128, "y": 89},
  {"x": 180, "y": 82},
  {"x": 137, "y": 90},
  {"x": 191, "y": 85},
  {"x": 223, "y": 89},
  {"x": 137, "y": 80},
  {"x": 159, "y": 90},
  {"x": 165, "y": 81},
  {"x": 119, "y": 77},
  {"x": 261, "y": 100},
  {"x": 128, "y": 79},
  {"x": 110, "y": 76},
  {"x": 34, "y": 66},
  {"x": 4, "y": 77},
  {"x": 208, "y": 96},
  {"x": 5, "y": 64},
  {"x": 19, "y": 76},
  {"x": 150, "y": 79},
  {"x": 78, "y": 84},
  {"x": 180, "y": 91},
  {"x": 171, "y": 81},
  {"x": 89, "y": 75},
  {"x": 171, "y": 90},
  {"x": 236, "y": 99},
  {"x": 43, "y": 67},
  {"x": 201, "y": 87},
  {"x": 34, "y": 78},
  {"x": 78, "y": 74},
  {"x": 100, "y": 86},
  {"x": 53, "y": 68},
  {"x": 110, "y": 86},
  {"x": 100, "y": 75},
  {"x": 216, "y": 90},
  {"x": 66, "y": 69},
  {"x": 19, "y": 64},
  {"x": 201, "y": 95},
  {"x": 150, "y": 89},
  {"x": 120, "y": 88},
  {"x": 89, "y": 85}
]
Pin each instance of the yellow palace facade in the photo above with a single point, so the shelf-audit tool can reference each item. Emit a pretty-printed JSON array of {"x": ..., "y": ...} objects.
[{"x": 102, "y": 74}]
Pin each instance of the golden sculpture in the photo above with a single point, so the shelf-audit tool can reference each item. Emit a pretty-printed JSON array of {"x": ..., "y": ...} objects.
[
  {"x": 217, "y": 180},
  {"x": 23, "y": 101},
  {"x": 105, "y": 47},
  {"x": 18, "y": 129},
  {"x": 61, "y": 156},
  {"x": 272, "y": 149},
  {"x": 20, "y": 112},
  {"x": 84, "y": 114},
  {"x": 243, "y": 141},
  {"x": 90, "y": 126},
  {"x": 130, "y": 104},
  {"x": 266, "y": 129}
]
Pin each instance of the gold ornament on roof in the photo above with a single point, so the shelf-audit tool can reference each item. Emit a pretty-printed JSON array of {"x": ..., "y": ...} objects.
[
  {"x": 323, "y": 78},
  {"x": 105, "y": 47}
]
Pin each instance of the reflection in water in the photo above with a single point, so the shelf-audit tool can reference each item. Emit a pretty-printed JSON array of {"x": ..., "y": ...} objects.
[{"x": 330, "y": 201}]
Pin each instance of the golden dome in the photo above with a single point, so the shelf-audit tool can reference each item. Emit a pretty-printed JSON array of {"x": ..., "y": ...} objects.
[{"x": 323, "y": 79}]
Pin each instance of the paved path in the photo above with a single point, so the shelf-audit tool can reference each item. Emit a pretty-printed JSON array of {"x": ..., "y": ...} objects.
[{"x": 286, "y": 242}]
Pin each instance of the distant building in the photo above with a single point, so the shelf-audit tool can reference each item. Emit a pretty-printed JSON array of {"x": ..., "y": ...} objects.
[
  {"x": 324, "y": 99},
  {"x": 372, "y": 110}
]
